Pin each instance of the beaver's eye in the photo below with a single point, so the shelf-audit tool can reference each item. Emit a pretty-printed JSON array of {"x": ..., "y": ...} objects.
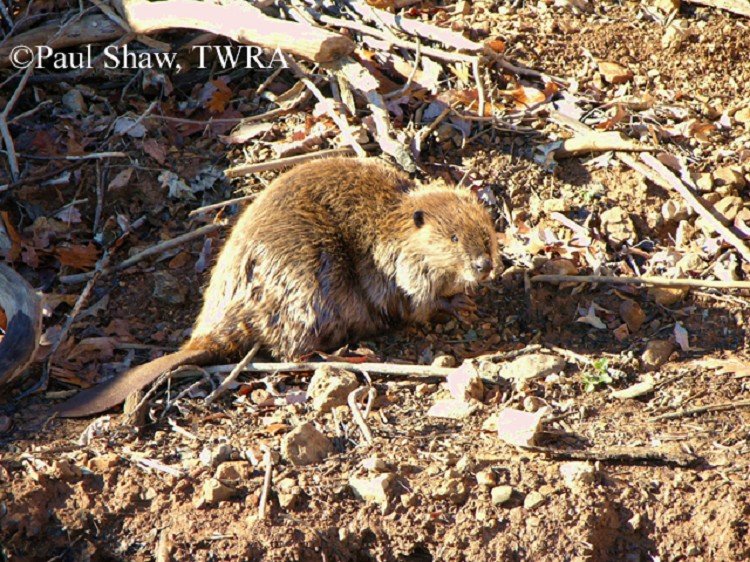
[{"x": 454, "y": 238}]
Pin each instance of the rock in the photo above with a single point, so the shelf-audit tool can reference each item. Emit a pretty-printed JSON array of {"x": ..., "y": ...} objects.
[
  {"x": 689, "y": 263},
  {"x": 618, "y": 227},
  {"x": 452, "y": 489},
  {"x": 633, "y": 315},
  {"x": 237, "y": 471},
  {"x": 614, "y": 73},
  {"x": 305, "y": 445},
  {"x": 65, "y": 470},
  {"x": 533, "y": 404},
  {"x": 330, "y": 387},
  {"x": 464, "y": 383},
  {"x": 410, "y": 499},
  {"x": 501, "y": 494},
  {"x": 559, "y": 267},
  {"x": 743, "y": 115},
  {"x": 730, "y": 176},
  {"x": 215, "y": 456},
  {"x": 374, "y": 464},
  {"x": 657, "y": 353},
  {"x": 560, "y": 205},
  {"x": 424, "y": 389},
  {"x": 578, "y": 476},
  {"x": 490, "y": 424},
  {"x": 103, "y": 463},
  {"x": 169, "y": 289},
  {"x": 704, "y": 181},
  {"x": 533, "y": 366},
  {"x": 289, "y": 493},
  {"x": 666, "y": 6},
  {"x": 215, "y": 491},
  {"x": 378, "y": 490},
  {"x": 671, "y": 211},
  {"x": 6, "y": 423},
  {"x": 519, "y": 428},
  {"x": 444, "y": 361},
  {"x": 667, "y": 296},
  {"x": 634, "y": 391},
  {"x": 451, "y": 409},
  {"x": 73, "y": 100},
  {"x": 486, "y": 478},
  {"x": 533, "y": 500}
]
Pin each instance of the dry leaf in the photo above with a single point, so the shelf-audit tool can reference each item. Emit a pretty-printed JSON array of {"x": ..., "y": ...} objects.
[
  {"x": 78, "y": 256},
  {"x": 220, "y": 97}
]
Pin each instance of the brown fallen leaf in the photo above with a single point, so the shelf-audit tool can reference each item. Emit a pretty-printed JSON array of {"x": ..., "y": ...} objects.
[{"x": 78, "y": 256}]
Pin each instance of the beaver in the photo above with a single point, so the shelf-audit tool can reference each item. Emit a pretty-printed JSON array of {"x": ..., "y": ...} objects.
[{"x": 333, "y": 251}]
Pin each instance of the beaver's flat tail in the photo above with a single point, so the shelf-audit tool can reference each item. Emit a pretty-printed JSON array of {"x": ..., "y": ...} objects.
[{"x": 113, "y": 392}]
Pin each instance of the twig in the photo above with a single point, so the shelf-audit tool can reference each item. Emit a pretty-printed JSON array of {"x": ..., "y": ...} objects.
[
  {"x": 480, "y": 86},
  {"x": 412, "y": 45},
  {"x": 678, "y": 185},
  {"x": 620, "y": 454},
  {"x": 227, "y": 382},
  {"x": 415, "y": 371},
  {"x": 155, "y": 249},
  {"x": 93, "y": 156},
  {"x": 427, "y": 131},
  {"x": 208, "y": 208},
  {"x": 655, "y": 281},
  {"x": 4, "y": 131},
  {"x": 721, "y": 407},
  {"x": 352, "y": 399},
  {"x": 246, "y": 169},
  {"x": 405, "y": 88},
  {"x": 262, "y": 504},
  {"x": 339, "y": 119}
]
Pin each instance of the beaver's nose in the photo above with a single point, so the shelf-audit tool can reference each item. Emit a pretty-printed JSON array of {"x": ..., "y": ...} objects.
[{"x": 483, "y": 265}]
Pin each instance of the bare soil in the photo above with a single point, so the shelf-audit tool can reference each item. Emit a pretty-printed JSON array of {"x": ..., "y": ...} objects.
[{"x": 140, "y": 494}]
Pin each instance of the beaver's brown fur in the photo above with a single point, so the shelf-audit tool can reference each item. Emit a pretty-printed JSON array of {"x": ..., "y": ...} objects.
[{"x": 331, "y": 252}]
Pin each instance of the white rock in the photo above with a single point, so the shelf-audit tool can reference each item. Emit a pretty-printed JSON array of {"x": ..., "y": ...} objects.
[
  {"x": 330, "y": 387},
  {"x": 451, "y": 409},
  {"x": 215, "y": 456},
  {"x": 305, "y": 445},
  {"x": 519, "y": 428},
  {"x": 501, "y": 494},
  {"x": 378, "y": 490},
  {"x": 464, "y": 383},
  {"x": 375, "y": 464},
  {"x": 534, "y": 366},
  {"x": 533, "y": 500},
  {"x": 215, "y": 492},
  {"x": 577, "y": 475}
]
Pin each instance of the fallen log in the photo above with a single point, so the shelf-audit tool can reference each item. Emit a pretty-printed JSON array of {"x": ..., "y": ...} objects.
[{"x": 240, "y": 21}]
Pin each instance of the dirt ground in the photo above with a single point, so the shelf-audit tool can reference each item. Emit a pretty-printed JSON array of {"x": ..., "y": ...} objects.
[{"x": 615, "y": 478}]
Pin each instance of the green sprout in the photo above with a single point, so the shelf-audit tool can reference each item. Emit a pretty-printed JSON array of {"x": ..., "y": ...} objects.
[{"x": 599, "y": 375}]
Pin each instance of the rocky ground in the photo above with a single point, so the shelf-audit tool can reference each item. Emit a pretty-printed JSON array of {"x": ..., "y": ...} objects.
[{"x": 636, "y": 399}]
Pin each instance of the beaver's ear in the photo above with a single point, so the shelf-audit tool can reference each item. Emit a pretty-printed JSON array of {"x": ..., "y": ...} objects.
[{"x": 419, "y": 218}]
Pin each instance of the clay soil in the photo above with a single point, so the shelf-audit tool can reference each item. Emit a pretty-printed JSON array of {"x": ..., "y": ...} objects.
[{"x": 128, "y": 493}]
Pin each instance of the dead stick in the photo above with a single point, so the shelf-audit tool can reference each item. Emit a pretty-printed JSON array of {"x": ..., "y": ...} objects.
[
  {"x": 339, "y": 119},
  {"x": 739, "y": 7},
  {"x": 4, "y": 131},
  {"x": 225, "y": 384},
  {"x": 156, "y": 249},
  {"x": 263, "y": 503},
  {"x": 678, "y": 185},
  {"x": 417, "y": 371},
  {"x": 627, "y": 454},
  {"x": 702, "y": 409},
  {"x": 655, "y": 281},
  {"x": 352, "y": 399}
]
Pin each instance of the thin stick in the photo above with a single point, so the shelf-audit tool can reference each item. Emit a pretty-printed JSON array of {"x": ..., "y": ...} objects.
[
  {"x": 339, "y": 119},
  {"x": 702, "y": 409},
  {"x": 655, "y": 281},
  {"x": 405, "y": 87},
  {"x": 286, "y": 162},
  {"x": 268, "y": 460},
  {"x": 480, "y": 87},
  {"x": 92, "y": 156},
  {"x": 427, "y": 131},
  {"x": 416, "y": 371},
  {"x": 156, "y": 249},
  {"x": 678, "y": 185},
  {"x": 4, "y": 131},
  {"x": 619, "y": 454},
  {"x": 227, "y": 382},
  {"x": 207, "y": 208},
  {"x": 352, "y": 399}
]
